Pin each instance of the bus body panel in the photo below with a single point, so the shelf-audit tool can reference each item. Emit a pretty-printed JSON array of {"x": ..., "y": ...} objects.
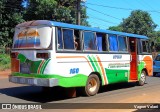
[
  {"x": 72, "y": 68},
  {"x": 145, "y": 62}
]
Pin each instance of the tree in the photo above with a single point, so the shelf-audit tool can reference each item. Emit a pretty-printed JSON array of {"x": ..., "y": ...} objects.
[
  {"x": 139, "y": 22},
  {"x": 156, "y": 39},
  {"x": 115, "y": 28},
  {"x": 57, "y": 10},
  {"x": 10, "y": 11}
]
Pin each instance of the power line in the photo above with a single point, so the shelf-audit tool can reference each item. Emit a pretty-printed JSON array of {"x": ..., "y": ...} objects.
[
  {"x": 103, "y": 13},
  {"x": 120, "y": 8},
  {"x": 145, "y": 4},
  {"x": 128, "y": 3},
  {"x": 102, "y": 19},
  {"x": 100, "y": 25},
  {"x": 116, "y": 8},
  {"x": 109, "y": 6}
]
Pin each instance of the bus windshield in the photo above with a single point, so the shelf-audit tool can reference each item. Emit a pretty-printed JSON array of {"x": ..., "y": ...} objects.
[{"x": 37, "y": 37}]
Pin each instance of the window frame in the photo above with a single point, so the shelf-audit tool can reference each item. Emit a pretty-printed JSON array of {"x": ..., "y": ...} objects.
[
  {"x": 104, "y": 42},
  {"x": 126, "y": 42},
  {"x": 63, "y": 49},
  {"x": 157, "y": 57},
  {"x": 83, "y": 43},
  {"x": 109, "y": 43},
  {"x": 145, "y": 46}
]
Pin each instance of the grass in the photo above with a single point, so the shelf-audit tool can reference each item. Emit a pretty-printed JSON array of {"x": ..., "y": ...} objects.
[{"x": 5, "y": 62}]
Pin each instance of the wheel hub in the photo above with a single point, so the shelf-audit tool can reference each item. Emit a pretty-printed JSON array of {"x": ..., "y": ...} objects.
[{"x": 92, "y": 85}]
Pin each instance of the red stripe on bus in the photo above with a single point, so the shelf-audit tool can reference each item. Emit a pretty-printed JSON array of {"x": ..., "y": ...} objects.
[
  {"x": 39, "y": 68},
  {"x": 103, "y": 72}
]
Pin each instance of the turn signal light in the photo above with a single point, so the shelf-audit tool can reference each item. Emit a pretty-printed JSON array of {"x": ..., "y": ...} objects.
[
  {"x": 13, "y": 55},
  {"x": 42, "y": 55}
]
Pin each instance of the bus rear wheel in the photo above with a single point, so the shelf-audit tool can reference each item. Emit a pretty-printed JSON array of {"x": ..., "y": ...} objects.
[
  {"x": 142, "y": 79},
  {"x": 92, "y": 85}
]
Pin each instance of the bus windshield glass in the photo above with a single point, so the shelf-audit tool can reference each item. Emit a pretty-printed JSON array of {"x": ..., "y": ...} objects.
[{"x": 38, "y": 37}]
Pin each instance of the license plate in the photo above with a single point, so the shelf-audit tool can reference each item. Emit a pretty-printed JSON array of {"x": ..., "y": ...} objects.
[{"x": 25, "y": 68}]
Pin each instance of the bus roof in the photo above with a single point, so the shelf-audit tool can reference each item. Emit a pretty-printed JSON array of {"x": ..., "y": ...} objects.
[{"x": 66, "y": 25}]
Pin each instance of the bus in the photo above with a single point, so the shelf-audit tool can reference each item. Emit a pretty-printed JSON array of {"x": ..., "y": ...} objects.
[{"x": 55, "y": 54}]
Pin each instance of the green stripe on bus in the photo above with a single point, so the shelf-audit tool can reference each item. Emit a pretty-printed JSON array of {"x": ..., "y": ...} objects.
[
  {"x": 116, "y": 75},
  {"x": 22, "y": 58},
  {"x": 140, "y": 67},
  {"x": 92, "y": 63},
  {"x": 97, "y": 65},
  {"x": 44, "y": 66}
]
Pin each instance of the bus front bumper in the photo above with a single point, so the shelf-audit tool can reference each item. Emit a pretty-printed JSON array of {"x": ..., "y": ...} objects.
[{"x": 51, "y": 82}]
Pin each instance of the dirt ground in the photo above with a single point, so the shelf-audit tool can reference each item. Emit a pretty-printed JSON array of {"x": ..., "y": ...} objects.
[
  {"x": 5, "y": 73},
  {"x": 148, "y": 96}
]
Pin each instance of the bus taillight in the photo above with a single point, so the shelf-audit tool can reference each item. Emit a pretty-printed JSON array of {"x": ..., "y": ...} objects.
[
  {"x": 13, "y": 55},
  {"x": 42, "y": 55}
]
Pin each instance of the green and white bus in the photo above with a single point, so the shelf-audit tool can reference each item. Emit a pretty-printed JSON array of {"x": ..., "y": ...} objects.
[{"x": 48, "y": 54}]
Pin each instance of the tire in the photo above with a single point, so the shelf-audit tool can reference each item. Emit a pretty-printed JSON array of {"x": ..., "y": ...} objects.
[
  {"x": 46, "y": 89},
  {"x": 154, "y": 74},
  {"x": 92, "y": 85},
  {"x": 142, "y": 79}
]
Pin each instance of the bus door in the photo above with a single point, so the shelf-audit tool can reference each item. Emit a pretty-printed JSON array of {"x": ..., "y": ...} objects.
[{"x": 133, "y": 59}]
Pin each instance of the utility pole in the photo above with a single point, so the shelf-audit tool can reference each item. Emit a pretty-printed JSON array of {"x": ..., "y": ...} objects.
[{"x": 78, "y": 12}]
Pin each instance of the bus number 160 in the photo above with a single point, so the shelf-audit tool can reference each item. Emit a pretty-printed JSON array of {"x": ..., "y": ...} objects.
[{"x": 74, "y": 70}]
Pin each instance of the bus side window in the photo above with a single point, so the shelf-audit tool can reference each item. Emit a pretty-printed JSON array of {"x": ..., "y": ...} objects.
[
  {"x": 68, "y": 39},
  {"x": 99, "y": 41},
  {"x": 77, "y": 40},
  {"x": 90, "y": 41},
  {"x": 113, "y": 43},
  {"x": 132, "y": 46},
  {"x": 105, "y": 42},
  {"x": 139, "y": 46},
  {"x": 60, "y": 40},
  {"x": 122, "y": 43},
  {"x": 148, "y": 47},
  {"x": 145, "y": 47}
]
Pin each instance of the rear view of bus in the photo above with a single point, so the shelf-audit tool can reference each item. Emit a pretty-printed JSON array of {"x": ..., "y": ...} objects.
[{"x": 31, "y": 52}]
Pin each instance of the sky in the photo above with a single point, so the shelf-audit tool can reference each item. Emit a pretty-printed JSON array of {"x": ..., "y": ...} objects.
[{"x": 106, "y": 13}]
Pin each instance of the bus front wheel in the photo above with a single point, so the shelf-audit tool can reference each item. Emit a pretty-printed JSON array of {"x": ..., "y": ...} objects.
[
  {"x": 142, "y": 79},
  {"x": 92, "y": 85}
]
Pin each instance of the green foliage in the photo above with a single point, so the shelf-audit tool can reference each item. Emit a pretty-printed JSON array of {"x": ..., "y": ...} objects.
[
  {"x": 139, "y": 22},
  {"x": 116, "y": 28},
  {"x": 157, "y": 37},
  {"x": 4, "y": 61},
  {"x": 10, "y": 15},
  {"x": 57, "y": 10}
]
